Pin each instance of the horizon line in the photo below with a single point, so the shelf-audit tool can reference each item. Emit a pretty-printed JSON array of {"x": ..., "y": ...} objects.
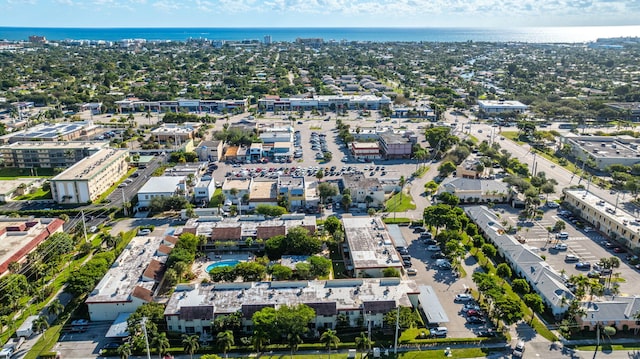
[{"x": 310, "y": 27}]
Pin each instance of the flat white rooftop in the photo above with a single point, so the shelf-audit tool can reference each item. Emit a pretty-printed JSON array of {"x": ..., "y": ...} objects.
[
  {"x": 90, "y": 166},
  {"x": 341, "y": 294},
  {"x": 369, "y": 243},
  {"x": 126, "y": 272}
]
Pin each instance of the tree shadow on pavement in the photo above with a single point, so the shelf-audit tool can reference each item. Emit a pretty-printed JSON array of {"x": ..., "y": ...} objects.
[{"x": 525, "y": 332}]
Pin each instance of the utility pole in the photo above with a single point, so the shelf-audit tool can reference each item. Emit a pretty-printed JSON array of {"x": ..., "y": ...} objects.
[
  {"x": 395, "y": 342},
  {"x": 84, "y": 226},
  {"x": 146, "y": 338}
]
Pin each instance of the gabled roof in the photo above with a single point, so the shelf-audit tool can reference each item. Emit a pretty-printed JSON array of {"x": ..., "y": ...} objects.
[
  {"x": 154, "y": 270},
  {"x": 204, "y": 312},
  {"x": 226, "y": 233},
  {"x": 266, "y": 232},
  {"x": 543, "y": 278},
  {"x": 142, "y": 294},
  {"x": 617, "y": 309},
  {"x": 164, "y": 249}
]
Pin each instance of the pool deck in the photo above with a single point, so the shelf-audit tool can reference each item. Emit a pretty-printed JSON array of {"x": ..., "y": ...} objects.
[{"x": 200, "y": 265}]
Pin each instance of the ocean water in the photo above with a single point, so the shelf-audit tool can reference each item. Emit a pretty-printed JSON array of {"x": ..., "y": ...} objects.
[{"x": 530, "y": 35}]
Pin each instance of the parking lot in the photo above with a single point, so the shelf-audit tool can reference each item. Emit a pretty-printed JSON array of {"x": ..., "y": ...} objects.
[
  {"x": 588, "y": 245},
  {"x": 446, "y": 285}
]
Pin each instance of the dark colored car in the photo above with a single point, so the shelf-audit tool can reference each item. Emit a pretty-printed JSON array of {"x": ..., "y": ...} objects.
[
  {"x": 487, "y": 334},
  {"x": 619, "y": 250},
  {"x": 438, "y": 255},
  {"x": 111, "y": 345},
  {"x": 475, "y": 320}
]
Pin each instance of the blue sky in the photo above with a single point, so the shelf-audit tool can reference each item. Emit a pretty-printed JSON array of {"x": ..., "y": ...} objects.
[{"x": 317, "y": 13}]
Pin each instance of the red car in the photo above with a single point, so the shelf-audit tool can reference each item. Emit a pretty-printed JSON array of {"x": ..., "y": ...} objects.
[
  {"x": 473, "y": 313},
  {"x": 619, "y": 250}
]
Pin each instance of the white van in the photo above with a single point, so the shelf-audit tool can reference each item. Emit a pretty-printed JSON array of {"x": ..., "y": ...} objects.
[
  {"x": 6, "y": 353},
  {"x": 562, "y": 235}
]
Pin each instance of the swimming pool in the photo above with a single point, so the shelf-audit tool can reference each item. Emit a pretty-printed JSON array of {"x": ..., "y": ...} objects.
[{"x": 224, "y": 263}]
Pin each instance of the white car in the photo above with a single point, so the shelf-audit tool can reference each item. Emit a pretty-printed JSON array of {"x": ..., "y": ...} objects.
[
  {"x": 439, "y": 331},
  {"x": 433, "y": 248},
  {"x": 412, "y": 271},
  {"x": 144, "y": 232},
  {"x": 553, "y": 205},
  {"x": 560, "y": 247},
  {"x": 518, "y": 351},
  {"x": 463, "y": 297}
]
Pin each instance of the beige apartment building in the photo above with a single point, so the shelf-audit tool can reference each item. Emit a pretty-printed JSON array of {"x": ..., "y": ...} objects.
[{"x": 88, "y": 179}]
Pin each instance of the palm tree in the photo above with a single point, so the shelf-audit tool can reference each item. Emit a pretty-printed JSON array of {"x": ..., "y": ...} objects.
[
  {"x": 190, "y": 343},
  {"x": 41, "y": 324},
  {"x": 55, "y": 308},
  {"x": 363, "y": 343},
  {"x": 260, "y": 340},
  {"x": 161, "y": 343},
  {"x": 124, "y": 351},
  {"x": 225, "y": 341},
  {"x": 329, "y": 338},
  {"x": 294, "y": 340}
]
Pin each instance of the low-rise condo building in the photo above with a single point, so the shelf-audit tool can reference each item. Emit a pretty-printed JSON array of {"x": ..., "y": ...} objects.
[{"x": 86, "y": 180}]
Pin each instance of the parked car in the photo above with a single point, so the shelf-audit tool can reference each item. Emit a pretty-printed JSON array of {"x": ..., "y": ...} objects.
[
  {"x": 518, "y": 351},
  {"x": 468, "y": 307},
  {"x": 487, "y": 334},
  {"x": 463, "y": 297},
  {"x": 433, "y": 248},
  {"x": 571, "y": 258},
  {"x": 438, "y": 255},
  {"x": 561, "y": 247},
  {"x": 474, "y": 313},
  {"x": 583, "y": 265},
  {"x": 475, "y": 320},
  {"x": 430, "y": 241},
  {"x": 438, "y": 332},
  {"x": 552, "y": 205},
  {"x": 412, "y": 271},
  {"x": 562, "y": 235},
  {"x": 619, "y": 250},
  {"x": 426, "y": 235},
  {"x": 144, "y": 232}
]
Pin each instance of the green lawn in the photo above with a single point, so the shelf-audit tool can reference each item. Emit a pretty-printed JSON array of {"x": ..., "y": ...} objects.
[
  {"x": 420, "y": 172},
  {"x": 512, "y": 135},
  {"x": 400, "y": 202},
  {"x": 39, "y": 194}
]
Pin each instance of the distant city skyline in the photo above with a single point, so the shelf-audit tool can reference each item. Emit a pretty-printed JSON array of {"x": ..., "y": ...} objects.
[{"x": 318, "y": 13}]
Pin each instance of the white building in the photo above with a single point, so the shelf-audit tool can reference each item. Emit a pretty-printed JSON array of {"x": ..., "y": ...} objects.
[
  {"x": 476, "y": 190},
  {"x": 604, "y": 151},
  {"x": 501, "y": 106},
  {"x": 524, "y": 261},
  {"x": 368, "y": 247},
  {"x": 90, "y": 177},
  {"x": 131, "y": 281},
  {"x": 203, "y": 190},
  {"x": 618, "y": 224},
  {"x": 325, "y": 102},
  {"x": 163, "y": 186},
  {"x": 192, "y": 308}
]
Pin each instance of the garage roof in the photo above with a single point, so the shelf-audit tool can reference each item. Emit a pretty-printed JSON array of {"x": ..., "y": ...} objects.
[{"x": 431, "y": 305}]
